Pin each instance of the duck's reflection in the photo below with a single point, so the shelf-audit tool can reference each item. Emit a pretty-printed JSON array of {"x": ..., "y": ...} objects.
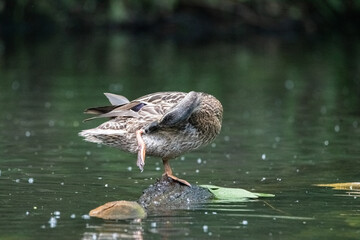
[
  {"x": 165, "y": 227},
  {"x": 115, "y": 230}
]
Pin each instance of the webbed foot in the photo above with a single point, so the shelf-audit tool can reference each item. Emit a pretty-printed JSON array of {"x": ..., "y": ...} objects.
[{"x": 177, "y": 179}]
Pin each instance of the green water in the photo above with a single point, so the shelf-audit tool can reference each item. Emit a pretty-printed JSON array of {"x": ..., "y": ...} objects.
[{"x": 291, "y": 120}]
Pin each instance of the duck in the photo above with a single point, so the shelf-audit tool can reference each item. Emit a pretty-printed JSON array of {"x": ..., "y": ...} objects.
[{"x": 161, "y": 124}]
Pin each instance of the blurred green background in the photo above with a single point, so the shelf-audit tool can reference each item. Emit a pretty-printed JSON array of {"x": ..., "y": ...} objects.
[
  {"x": 190, "y": 19},
  {"x": 286, "y": 72}
]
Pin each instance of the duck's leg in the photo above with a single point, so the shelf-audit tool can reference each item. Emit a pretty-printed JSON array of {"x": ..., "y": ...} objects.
[
  {"x": 168, "y": 172},
  {"x": 142, "y": 150}
]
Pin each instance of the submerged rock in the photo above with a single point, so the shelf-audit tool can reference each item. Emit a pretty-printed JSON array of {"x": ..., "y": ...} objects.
[
  {"x": 169, "y": 194},
  {"x": 164, "y": 194}
]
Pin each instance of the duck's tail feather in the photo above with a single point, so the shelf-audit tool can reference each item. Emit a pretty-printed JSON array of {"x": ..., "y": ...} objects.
[{"x": 101, "y": 136}]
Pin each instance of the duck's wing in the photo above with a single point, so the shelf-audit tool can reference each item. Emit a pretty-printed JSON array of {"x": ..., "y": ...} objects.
[{"x": 150, "y": 106}]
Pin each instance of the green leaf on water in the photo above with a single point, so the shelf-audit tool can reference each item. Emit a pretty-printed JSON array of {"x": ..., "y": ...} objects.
[{"x": 223, "y": 193}]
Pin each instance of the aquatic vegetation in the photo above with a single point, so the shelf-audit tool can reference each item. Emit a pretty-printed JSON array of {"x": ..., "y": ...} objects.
[{"x": 235, "y": 194}]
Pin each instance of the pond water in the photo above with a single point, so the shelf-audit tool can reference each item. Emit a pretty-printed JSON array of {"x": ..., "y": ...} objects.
[{"x": 291, "y": 120}]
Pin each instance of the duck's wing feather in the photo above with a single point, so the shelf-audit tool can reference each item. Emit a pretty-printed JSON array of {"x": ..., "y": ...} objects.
[
  {"x": 116, "y": 100},
  {"x": 128, "y": 110},
  {"x": 100, "y": 110}
]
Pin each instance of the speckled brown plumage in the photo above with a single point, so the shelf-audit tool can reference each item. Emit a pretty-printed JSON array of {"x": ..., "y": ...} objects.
[{"x": 169, "y": 123}]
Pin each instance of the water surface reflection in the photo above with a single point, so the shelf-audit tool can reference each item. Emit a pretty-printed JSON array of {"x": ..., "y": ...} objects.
[{"x": 291, "y": 120}]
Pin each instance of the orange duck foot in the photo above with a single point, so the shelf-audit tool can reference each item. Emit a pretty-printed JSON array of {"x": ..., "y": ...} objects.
[{"x": 182, "y": 181}]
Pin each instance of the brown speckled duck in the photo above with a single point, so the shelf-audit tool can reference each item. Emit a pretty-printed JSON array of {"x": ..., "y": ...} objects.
[{"x": 163, "y": 124}]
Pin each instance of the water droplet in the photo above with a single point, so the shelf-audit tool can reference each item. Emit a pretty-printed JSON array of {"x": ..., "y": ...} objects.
[
  {"x": 17, "y": 180},
  {"x": 182, "y": 158},
  {"x": 85, "y": 216},
  {"x": 57, "y": 213},
  {"x": 153, "y": 224},
  {"x": 263, "y": 156},
  {"x": 157, "y": 168},
  {"x": 205, "y": 228},
  {"x": 15, "y": 85},
  {"x": 106, "y": 185},
  {"x": 69, "y": 94},
  {"x": 129, "y": 168},
  {"x": 47, "y": 104},
  {"x": 263, "y": 179},
  {"x": 326, "y": 142},
  {"x": 30, "y": 180},
  {"x": 52, "y": 222},
  {"x": 73, "y": 216},
  {"x": 27, "y": 133},
  {"x": 323, "y": 110},
  {"x": 226, "y": 138},
  {"x": 289, "y": 84},
  {"x": 213, "y": 145},
  {"x": 88, "y": 153},
  {"x": 27, "y": 213},
  {"x": 116, "y": 87},
  {"x": 337, "y": 128},
  {"x": 197, "y": 170},
  {"x": 198, "y": 160},
  {"x": 244, "y": 222}
]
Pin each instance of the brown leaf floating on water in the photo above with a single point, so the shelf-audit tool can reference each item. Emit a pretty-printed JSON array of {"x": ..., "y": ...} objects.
[
  {"x": 342, "y": 186},
  {"x": 119, "y": 210}
]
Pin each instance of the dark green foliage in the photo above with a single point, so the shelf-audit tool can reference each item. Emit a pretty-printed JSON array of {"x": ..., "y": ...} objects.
[{"x": 207, "y": 17}]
